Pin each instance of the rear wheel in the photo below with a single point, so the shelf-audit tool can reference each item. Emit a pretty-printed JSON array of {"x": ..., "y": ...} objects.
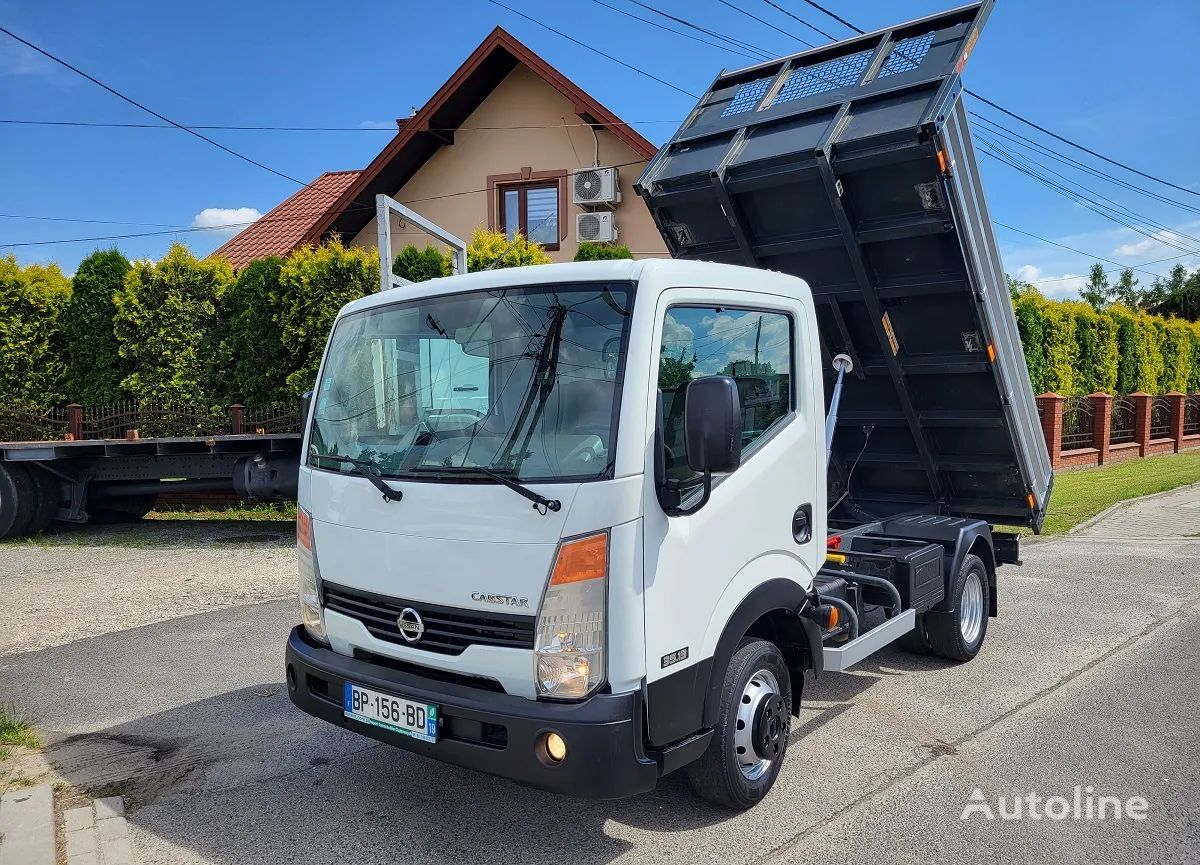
[
  {"x": 753, "y": 724},
  {"x": 959, "y": 633},
  {"x": 18, "y": 500},
  {"x": 48, "y": 499}
]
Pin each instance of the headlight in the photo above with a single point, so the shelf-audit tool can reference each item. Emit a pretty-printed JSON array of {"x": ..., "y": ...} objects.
[
  {"x": 570, "y": 645},
  {"x": 311, "y": 613}
]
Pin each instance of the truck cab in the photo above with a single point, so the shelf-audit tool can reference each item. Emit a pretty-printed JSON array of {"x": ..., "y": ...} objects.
[{"x": 583, "y": 607}]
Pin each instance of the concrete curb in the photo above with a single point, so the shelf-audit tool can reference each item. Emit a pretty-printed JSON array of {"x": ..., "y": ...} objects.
[
  {"x": 1122, "y": 505},
  {"x": 27, "y": 826},
  {"x": 97, "y": 834}
]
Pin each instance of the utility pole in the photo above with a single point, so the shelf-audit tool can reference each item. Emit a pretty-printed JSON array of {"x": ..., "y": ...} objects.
[{"x": 757, "y": 336}]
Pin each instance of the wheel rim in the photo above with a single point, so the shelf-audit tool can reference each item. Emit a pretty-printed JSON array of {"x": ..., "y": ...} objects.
[
  {"x": 970, "y": 610},
  {"x": 760, "y": 733}
]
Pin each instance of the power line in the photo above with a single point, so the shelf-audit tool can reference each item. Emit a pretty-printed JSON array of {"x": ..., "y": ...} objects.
[
  {"x": 1030, "y": 123},
  {"x": 1029, "y": 144},
  {"x": 1076, "y": 251},
  {"x": 113, "y": 125},
  {"x": 700, "y": 39},
  {"x": 796, "y": 17},
  {"x": 265, "y": 219},
  {"x": 835, "y": 17},
  {"x": 595, "y": 50},
  {"x": 154, "y": 113},
  {"x": 766, "y": 23},
  {"x": 1078, "y": 146},
  {"x": 1013, "y": 160},
  {"x": 763, "y": 55}
]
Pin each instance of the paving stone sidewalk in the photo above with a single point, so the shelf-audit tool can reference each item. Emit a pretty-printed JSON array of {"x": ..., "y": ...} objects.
[{"x": 1175, "y": 514}]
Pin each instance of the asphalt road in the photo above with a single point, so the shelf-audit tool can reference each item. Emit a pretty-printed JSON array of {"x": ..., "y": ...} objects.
[{"x": 1090, "y": 677}]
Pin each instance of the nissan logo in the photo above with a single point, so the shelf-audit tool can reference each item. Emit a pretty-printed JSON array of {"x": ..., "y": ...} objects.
[{"x": 411, "y": 626}]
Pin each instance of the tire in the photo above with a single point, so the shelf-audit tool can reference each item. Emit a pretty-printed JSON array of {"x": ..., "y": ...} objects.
[
  {"x": 127, "y": 509},
  {"x": 48, "y": 498},
  {"x": 958, "y": 634},
  {"x": 719, "y": 776},
  {"x": 18, "y": 500}
]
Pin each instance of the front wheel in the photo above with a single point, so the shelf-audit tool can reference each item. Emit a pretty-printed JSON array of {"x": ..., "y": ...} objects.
[{"x": 753, "y": 724}]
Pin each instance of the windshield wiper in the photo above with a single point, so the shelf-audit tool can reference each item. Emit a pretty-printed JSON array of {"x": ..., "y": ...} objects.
[
  {"x": 540, "y": 503},
  {"x": 367, "y": 469}
]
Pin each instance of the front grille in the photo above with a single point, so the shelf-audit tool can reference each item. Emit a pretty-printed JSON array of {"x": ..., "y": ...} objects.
[{"x": 448, "y": 630}]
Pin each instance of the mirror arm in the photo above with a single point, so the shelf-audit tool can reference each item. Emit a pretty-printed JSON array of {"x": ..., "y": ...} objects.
[{"x": 670, "y": 494}]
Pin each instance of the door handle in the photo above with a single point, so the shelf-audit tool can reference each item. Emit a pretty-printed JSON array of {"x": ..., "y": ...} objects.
[{"x": 802, "y": 524}]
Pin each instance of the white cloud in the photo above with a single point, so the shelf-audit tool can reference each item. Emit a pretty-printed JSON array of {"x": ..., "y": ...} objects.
[
  {"x": 1055, "y": 285},
  {"x": 225, "y": 220},
  {"x": 378, "y": 124},
  {"x": 1155, "y": 243}
]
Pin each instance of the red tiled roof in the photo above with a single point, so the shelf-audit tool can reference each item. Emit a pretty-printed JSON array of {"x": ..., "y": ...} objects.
[{"x": 281, "y": 230}]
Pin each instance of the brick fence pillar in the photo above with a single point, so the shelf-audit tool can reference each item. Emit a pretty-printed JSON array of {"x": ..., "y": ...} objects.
[
  {"x": 74, "y": 422},
  {"x": 1101, "y": 424},
  {"x": 1050, "y": 407},
  {"x": 1141, "y": 419},
  {"x": 1175, "y": 399},
  {"x": 237, "y": 419}
]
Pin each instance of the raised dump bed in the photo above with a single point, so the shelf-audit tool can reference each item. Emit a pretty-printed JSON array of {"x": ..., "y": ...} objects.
[{"x": 851, "y": 166}]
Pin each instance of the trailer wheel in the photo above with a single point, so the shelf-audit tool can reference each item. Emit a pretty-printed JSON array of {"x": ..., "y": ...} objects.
[
  {"x": 48, "y": 498},
  {"x": 18, "y": 500},
  {"x": 127, "y": 509},
  {"x": 751, "y": 736},
  {"x": 958, "y": 634}
]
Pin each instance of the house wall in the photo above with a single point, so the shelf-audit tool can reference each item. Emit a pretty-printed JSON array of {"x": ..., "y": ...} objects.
[{"x": 521, "y": 99}]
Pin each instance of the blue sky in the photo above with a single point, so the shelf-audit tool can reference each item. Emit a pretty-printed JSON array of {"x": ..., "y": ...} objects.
[{"x": 1119, "y": 77}]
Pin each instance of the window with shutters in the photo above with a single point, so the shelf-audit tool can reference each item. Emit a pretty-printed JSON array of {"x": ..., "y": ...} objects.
[{"x": 532, "y": 210}]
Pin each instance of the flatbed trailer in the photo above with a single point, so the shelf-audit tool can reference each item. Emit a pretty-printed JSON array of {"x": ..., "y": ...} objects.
[{"x": 115, "y": 480}]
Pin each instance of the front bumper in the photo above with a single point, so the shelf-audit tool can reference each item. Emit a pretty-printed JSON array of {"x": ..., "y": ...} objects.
[{"x": 490, "y": 732}]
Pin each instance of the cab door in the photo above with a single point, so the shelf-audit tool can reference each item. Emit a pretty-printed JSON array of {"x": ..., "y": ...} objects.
[{"x": 700, "y": 566}]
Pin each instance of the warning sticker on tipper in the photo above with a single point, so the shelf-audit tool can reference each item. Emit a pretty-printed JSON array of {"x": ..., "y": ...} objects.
[{"x": 891, "y": 334}]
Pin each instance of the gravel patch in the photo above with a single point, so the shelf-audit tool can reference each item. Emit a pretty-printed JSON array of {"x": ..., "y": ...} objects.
[{"x": 84, "y": 582}]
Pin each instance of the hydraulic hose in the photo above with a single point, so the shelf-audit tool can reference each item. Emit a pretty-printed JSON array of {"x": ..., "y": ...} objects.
[
  {"x": 847, "y": 610},
  {"x": 879, "y": 583}
]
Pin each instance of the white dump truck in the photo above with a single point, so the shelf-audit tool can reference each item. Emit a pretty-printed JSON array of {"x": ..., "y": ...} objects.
[{"x": 583, "y": 525}]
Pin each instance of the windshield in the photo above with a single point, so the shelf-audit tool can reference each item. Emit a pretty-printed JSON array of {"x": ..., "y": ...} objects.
[{"x": 520, "y": 381}]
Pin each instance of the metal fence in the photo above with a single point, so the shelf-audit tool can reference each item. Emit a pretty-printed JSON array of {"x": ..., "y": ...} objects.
[
  {"x": 1191, "y": 416},
  {"x": 1124, "y": 422},
  {"x": 1160, "y": 418},
  {"x": 149, "y": 418},
  {"x": 1078, "y": 429}
]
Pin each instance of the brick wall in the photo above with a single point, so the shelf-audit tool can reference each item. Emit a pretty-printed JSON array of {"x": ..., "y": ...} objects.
[{"x": 1100, "y": 450}]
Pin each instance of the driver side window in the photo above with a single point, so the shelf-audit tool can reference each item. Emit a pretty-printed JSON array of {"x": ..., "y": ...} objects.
[{"x": 752, "y": 346}]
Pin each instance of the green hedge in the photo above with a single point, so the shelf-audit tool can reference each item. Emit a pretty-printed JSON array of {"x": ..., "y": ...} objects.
[
  {"x": 32, "y": 345},
  {"x": 1070, "y": 348},
  {"x": 94, "y": 365}
]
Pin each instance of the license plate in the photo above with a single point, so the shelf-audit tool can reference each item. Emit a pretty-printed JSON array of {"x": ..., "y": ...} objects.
[{"x": 419, "y": 720}]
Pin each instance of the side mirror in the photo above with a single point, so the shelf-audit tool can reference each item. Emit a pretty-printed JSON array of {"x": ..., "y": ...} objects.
[
  {"x": 305, "y": 409},
  {"x": 712, "y": 424}
]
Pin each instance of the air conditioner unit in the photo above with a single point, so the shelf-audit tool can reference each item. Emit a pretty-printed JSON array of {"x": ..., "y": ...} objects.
[
  {"x": 599, "y": 227},
  {"x": 592, "y": 186}
]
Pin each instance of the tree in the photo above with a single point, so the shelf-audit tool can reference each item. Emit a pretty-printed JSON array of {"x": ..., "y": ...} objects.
[
  {"x": 164, "y": 322},
  {"x": 674, "y": 372},
  {"x": 590, "y": 250},
  {"x": 32, "y": 300},
  {"x": 418, "y": 265},
  {"x": 314, "y": 283},
  {"x": 1126, "y": 290},
  {"x": 1178, "y": 295},
  {"x": 94, "y": 364},
  {"x": 1097, "y": 291},
  {"x": 489, "y": 250},
  {"x": 251, "y": 351}
]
